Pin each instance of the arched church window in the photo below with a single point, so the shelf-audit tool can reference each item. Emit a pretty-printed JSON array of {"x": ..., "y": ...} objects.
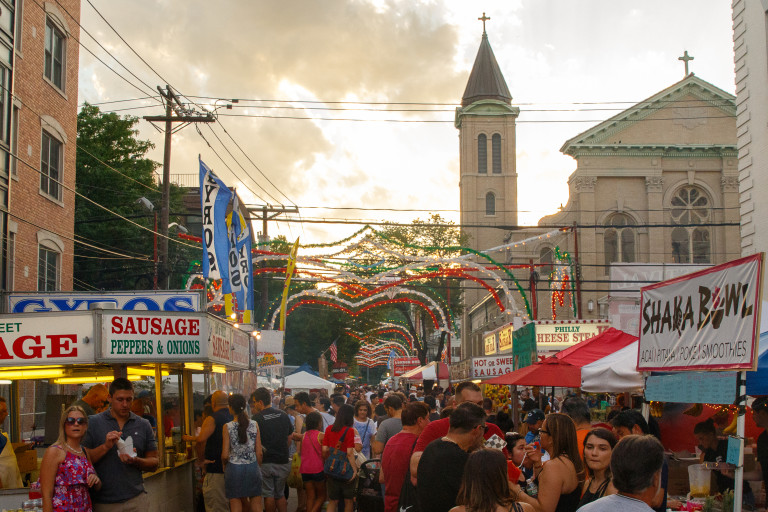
[
  {"x": 496, "y": 153},
  {"x": 547, "y": 260},
  {"x": 490, "y": 203},
  {"x": 619, "y": 239},
  {"x": 691, "y": 210},
  {"x": 482, "y": 154}
]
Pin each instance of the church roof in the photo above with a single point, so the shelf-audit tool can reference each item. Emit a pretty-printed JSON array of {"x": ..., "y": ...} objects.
[
  {"x": 601, "y": 134},
  {"x": 485, "y": 81}
]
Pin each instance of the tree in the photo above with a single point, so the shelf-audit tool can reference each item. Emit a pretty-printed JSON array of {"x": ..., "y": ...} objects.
[{"x": 114, "y": 171}]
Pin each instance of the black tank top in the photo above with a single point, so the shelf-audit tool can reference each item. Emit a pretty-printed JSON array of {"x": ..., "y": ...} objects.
[
  {"x": 569, "y": 502},
  {"x": 589, "y": 497},
  {"x": 214, "y": 443}
]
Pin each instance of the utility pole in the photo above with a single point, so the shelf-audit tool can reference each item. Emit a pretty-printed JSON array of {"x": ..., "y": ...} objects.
[
  {"x": 183, "y": 115},
  {"x": 267, "y": 212}
]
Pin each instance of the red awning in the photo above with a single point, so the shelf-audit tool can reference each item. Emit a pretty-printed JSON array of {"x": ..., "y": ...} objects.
[
  {"x": 597, "y": 347},
  {"x": 564, "y": 368},
  {"x": 550, "y": 372}
]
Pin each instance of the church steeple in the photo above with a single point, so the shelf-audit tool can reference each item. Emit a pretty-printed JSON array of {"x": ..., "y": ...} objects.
[{"x": 485, "y": 81}]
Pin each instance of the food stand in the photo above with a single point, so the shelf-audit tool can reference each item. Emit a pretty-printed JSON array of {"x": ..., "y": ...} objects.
[
  {"x": 89, "y": 346},
  {"x": 706, "y": 320}
]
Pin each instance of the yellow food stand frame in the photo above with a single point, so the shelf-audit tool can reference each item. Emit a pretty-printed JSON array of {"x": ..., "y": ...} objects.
[{"x": 96, "y": 346}]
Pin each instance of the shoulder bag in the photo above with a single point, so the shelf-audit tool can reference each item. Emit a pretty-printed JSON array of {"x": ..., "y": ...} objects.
[{"x": 337, "y": 464}]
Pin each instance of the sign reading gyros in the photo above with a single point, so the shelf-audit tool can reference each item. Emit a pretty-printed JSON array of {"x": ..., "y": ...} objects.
[{"x": 707, "y": 319}]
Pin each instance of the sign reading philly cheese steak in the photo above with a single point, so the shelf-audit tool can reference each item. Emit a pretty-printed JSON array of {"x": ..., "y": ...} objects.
[{"x": 702, "y": 320}]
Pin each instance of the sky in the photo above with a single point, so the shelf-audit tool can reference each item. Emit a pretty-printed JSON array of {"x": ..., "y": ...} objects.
[{"x": 568, "y": 64}]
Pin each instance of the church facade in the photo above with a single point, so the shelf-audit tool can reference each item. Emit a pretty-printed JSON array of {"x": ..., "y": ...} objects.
[{"x": 655, "y": 185}]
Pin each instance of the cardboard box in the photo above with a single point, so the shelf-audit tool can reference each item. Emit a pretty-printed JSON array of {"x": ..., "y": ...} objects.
[{"x": 26, "y": 457}]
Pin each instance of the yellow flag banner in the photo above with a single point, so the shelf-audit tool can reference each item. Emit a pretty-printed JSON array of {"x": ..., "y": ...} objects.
[{"x": 288, "y": 274}]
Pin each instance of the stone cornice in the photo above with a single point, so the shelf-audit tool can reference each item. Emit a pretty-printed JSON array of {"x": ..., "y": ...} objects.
[
  {"x": 665, "y": 150},
  {"x": 485, "y": 108}
]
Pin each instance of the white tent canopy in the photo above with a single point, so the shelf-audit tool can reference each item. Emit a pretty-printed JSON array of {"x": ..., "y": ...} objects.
[
  {"x": 303, "y": 381},
  {"x": 614, "y": 373}
]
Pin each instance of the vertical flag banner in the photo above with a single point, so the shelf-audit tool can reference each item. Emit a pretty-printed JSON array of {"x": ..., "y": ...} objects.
[
  {"x": 240, "y": 261},
  {"x": 214, "y": 199},
  {"x": 391, "y": 361},
  {"x": 334, "y": 352},
  {"x": 288, "y": 273}
]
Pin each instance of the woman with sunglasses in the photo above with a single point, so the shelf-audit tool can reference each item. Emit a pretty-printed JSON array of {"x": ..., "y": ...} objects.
[
  {"x": 66, "y": 472},
  {"x": 559, "y": 479},
  {"x": 484, "y": 486},
  {"x": 598, "y": 446}
]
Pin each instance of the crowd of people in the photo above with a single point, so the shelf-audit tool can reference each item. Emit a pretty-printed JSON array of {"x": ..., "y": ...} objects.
[{"x": 440, "y": 451}]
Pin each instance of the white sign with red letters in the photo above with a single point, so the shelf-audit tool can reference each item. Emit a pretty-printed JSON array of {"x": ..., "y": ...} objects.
[{"x": 47, "y": 339}]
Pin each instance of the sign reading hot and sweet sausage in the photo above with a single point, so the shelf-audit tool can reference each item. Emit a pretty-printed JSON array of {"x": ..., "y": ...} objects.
[
  {"x": 707, "y": 319},
  {"x": 46, "y": 339}
]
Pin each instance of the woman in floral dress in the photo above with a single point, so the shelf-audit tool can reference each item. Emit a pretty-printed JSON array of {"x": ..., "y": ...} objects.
[
  {"x": 66, "y": 472},
  {"x": 242, "y": 453}
]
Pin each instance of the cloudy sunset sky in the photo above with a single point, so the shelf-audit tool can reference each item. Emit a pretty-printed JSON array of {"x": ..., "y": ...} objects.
[{"x": 303, "y": 69}]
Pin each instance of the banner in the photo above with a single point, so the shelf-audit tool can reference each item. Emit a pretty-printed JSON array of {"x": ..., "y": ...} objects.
[
  {"x": 214, "y": 199},
  {"x": 524, "y": 346},
  {"x": 404, "y": 364},
  {"x": 704, "y": 320},
  {"x": 288, "y": 273},
  {"x": 240, "y": 261}
]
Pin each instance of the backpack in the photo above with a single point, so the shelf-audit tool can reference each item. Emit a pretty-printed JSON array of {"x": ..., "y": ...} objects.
[{"x": 337, "y": 464}]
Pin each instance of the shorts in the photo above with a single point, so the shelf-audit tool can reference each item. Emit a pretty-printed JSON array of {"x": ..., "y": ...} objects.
[
  {"x": 274, "y": 477},
  {"x": 313, "y": 477},
  {"x": 339, "y": 489}
]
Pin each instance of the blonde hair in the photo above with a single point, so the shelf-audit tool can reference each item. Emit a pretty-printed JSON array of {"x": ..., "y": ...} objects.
[{"x": 72, "y": 408}]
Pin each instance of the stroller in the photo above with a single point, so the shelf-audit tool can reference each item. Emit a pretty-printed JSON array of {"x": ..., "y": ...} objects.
[{"x": 368, "y": 491}]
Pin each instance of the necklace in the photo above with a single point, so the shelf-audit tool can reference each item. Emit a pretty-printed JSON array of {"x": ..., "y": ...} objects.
[{"x": 79, "y": 452}]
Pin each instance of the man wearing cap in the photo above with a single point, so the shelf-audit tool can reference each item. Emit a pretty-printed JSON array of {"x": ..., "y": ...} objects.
[
  {"x": 760, "y": 417},
  {"x": 534, "y": 419}
]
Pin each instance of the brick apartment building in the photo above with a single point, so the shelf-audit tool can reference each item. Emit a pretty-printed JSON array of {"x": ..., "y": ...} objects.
[{"x": 39, "y": 125}]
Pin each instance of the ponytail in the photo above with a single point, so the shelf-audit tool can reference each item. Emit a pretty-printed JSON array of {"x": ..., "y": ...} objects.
[{"x": 237, "y": 403}]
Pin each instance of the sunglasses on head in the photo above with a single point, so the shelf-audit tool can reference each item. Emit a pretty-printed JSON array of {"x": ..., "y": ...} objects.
[{"x": 79, "y": 421}]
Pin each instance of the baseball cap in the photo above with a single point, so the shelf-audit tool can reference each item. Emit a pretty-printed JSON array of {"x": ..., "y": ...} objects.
[
  {"x": 534, "y": 415},
  {"x": 290, "y": 402}
]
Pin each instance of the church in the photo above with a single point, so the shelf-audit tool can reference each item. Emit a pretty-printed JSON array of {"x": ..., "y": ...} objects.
[{"x": 654, "y": 190}]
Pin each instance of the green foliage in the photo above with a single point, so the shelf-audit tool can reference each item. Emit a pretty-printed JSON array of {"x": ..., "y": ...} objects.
[{"x": 112, "y": 139}]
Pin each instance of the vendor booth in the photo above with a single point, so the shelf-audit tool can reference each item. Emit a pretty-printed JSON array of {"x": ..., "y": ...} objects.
[
  {"x": 430, "y": 371},
  {"x": 305, "y": 381},
  {"x": 76, "y": 347}
]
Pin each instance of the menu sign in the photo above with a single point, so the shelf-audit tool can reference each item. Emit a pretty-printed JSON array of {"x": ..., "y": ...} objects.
[
  {"x": 505, "y": 338},
  {"x": 490, "y": 344}
]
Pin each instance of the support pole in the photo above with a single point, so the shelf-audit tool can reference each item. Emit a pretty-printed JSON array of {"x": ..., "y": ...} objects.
[
  {"x": 577, "y": 272},
  {"x": 159, "y": 407},
  {"x": 165, "y": 202},
  {"x": 741, "y": 402}
]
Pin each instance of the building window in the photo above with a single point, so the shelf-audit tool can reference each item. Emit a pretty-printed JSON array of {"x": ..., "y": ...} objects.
[
  {"x": 47, "y": 270},
  {"x": 547, "y": 260},
  {"x": 14, "y": 139},
  {"x": 490, "y": 203},
  {"x": 691, "y": 241},
  {"x": 50, "y": 166},
  {"x": 55, "y": 46},
  {"x": 619, "y": 239},
  {"x": 482, "y": 154},
  {"x": 496, "y": 153}
]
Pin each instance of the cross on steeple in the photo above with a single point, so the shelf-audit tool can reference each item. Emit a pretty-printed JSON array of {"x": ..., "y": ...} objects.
[
  {"x": 685, "y": 58},
  {"x": 484, "y": 19}
]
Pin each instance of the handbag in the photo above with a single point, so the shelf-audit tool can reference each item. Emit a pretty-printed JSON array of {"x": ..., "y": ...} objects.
[
  {"x": 337, "y": 464},
  {"x": 294, "y": 477}
]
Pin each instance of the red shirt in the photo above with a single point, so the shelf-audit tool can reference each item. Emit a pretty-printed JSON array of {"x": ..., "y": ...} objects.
[
  {"x": 439, "y": 428},
  {"x": 331, "y": 438},
  {"x": 394, "y": 463}
]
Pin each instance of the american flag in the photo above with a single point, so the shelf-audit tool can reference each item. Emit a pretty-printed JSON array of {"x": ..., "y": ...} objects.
[{"x": 334, "y": 353}]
